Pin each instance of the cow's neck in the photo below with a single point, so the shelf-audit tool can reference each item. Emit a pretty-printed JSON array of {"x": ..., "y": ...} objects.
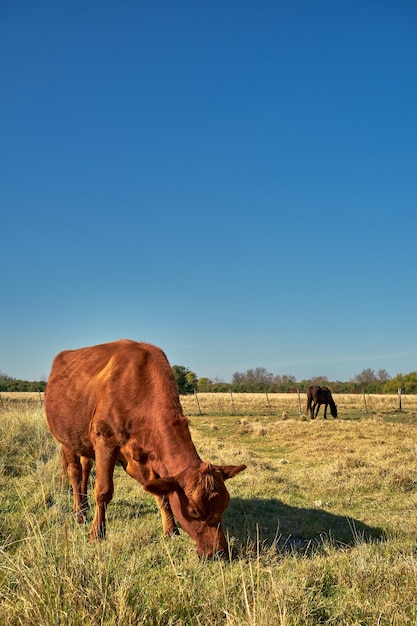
[{"x": 175, "y": 448}]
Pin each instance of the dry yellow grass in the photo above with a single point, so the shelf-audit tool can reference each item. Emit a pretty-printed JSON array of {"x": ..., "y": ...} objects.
[
  {"x": 323, "y": 522},
  {"x": 22, "y": 397}
]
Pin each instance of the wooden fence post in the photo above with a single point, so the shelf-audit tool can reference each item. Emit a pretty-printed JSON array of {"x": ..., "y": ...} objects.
[
  {"x": 364, "y": 401},
  {"x": 399, "y": 399},
  {"x": 198, "y": 403},
  {"x": 299, "y": 401},
  {"x": 269, "y": 404},
  {"x": 233, "y": 404}
]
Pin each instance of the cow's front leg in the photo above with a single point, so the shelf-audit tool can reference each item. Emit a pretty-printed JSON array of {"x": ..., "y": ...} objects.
[
  {"x": 144, "y": 473},
  {"x": 103, "y": 488},
  {"x": 168, "y": 521}
]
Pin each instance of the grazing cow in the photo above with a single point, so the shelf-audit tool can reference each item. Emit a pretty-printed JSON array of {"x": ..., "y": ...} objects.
[
  {"x": 119, "y": 402},
  {"x": 316, "y": 396}
]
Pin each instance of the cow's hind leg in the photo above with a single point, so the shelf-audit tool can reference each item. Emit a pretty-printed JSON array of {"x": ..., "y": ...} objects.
[
  {"x": 64, "y": 469},
  {"x": 75, "y": 475},
  {"x": 86, "y": 465},
  {"x": 103, "y": 488}
]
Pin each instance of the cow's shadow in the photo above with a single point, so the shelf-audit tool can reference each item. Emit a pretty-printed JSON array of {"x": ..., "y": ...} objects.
[{"x": 274, "y": 523}]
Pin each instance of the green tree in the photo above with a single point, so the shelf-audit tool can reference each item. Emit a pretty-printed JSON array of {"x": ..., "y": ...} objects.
[
  {"x": 186, "y": 379},
  {"x": 204, "y": 384},
  {"x": 406, "y": 382},
  {"x": 7, "y": 383}
]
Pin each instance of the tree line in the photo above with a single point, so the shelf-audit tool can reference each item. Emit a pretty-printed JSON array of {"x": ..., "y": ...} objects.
[
  {"x": 260, "y": 380},
  {"x": 8, "y": 383}
]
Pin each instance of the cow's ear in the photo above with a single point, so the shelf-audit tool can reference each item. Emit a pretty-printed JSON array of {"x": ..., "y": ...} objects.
[
  {"x": 162, "y": 486},
  {"x": 228, "y": 471}
]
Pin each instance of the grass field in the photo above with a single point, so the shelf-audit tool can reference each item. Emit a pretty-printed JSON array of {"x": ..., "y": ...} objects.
[{"x": 323, "y": 523}]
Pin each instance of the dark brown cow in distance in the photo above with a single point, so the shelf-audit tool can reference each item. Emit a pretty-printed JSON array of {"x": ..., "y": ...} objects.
[
  {"x": 119, "y": 402},
  {"x": 316, "y": 396}
]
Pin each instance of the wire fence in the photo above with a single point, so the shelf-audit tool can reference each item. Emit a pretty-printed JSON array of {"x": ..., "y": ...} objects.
[
  {"x": 293, "y": 405},
  {"x": 282, "y": 405}
]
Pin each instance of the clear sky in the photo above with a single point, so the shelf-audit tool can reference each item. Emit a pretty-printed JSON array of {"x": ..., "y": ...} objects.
[{"x": 234, "y": 181}]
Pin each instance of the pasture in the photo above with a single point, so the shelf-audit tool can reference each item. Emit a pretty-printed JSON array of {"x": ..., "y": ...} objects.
[{"x": 323, "y": 523}]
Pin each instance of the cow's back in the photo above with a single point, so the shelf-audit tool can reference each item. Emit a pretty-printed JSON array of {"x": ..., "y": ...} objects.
[{"x": 114, "y": 378}]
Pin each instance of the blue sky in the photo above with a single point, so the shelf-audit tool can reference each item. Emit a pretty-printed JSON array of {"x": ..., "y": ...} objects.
[{"x": 235, "y": 182}]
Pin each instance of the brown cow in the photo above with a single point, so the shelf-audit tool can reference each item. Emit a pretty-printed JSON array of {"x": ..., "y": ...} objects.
[{"x": 119, "y": 402}]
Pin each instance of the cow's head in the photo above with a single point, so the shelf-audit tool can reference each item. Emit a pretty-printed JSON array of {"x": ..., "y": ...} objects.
[{"x": 198, "y": 498}]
